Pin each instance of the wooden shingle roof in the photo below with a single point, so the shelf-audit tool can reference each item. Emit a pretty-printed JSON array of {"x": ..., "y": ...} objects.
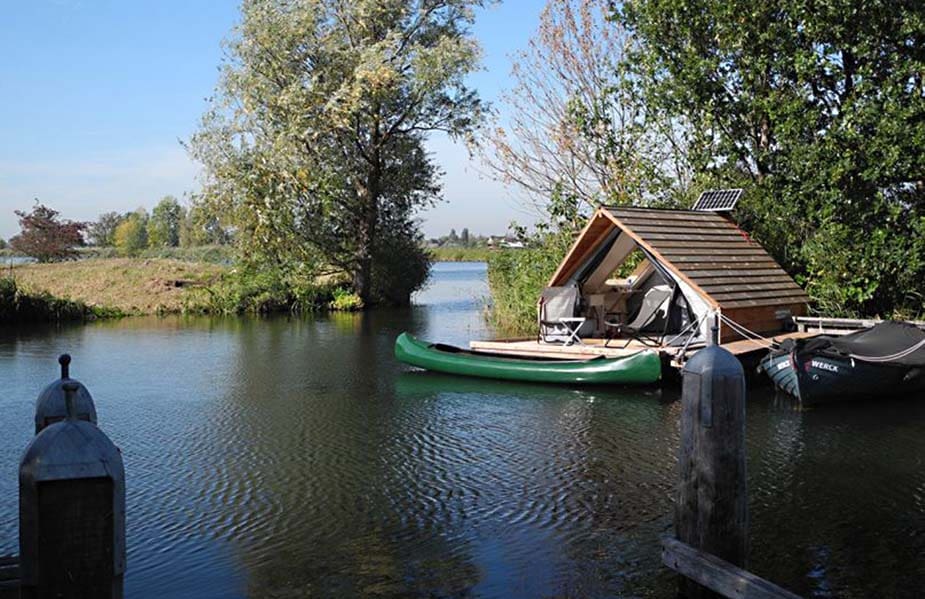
[{"x": 712, "y": 253}]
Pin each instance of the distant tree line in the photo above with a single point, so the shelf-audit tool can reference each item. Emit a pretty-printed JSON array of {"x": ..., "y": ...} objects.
[
  {"x": 463, "y": 239},
  {"x": 168, "y": 225},
  {"x": 47, "y": 237}
]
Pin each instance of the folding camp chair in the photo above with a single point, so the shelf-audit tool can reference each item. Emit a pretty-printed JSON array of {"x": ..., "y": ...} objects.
[
  {"x": 656, "y": 300},
  {"x": 557, "y": 303}
]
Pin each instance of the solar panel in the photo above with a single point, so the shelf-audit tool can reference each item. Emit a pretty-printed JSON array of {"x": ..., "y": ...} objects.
[{"x": 718, "y": 200}]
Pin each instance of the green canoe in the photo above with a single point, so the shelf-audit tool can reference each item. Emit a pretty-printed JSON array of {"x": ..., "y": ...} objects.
[{"x": 639, "y": 368}]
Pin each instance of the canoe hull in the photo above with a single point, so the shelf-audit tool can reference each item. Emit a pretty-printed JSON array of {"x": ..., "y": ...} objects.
[{"x": 636, "y": 369}]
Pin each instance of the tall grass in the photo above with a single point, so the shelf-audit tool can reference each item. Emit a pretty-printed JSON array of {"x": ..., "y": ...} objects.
[
  {"x": 17, "y": 305},
  {"x": 451, "y": 254},
  {"x": 516, "y": 278}
]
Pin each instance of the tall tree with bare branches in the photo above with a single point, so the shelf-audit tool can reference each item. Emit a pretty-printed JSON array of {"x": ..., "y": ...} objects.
[{"x": 572, "y": 127}]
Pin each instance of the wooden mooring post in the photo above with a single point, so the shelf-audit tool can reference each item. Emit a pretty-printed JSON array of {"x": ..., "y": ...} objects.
[
  {"x": 71, "y": 503},
  {"x": 711, "y": 513}
]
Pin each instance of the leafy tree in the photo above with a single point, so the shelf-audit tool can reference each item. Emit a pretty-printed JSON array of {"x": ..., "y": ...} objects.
[
  {"x": 452, "y": 238},
  {"x": 821, "y": 114},
  {"x": 101, "y": 233},
  {"x": 574, "y": 127},
  {"x": 314, "y": 146},
  {"x": 131, "y": 236},
  {"x": 2, "y": 243},
  {"x": 200, "y": 227},
  {"x": 464, "y": 237},
  {"x": 46, "y": 237},
  {"x": 164, "y": 224}
]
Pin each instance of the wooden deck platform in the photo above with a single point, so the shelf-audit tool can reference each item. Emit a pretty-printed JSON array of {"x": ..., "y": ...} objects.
[{"x": 591, "y": 348}]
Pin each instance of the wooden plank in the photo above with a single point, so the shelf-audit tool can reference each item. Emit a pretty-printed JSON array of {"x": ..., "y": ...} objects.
[
  {"x": 737, "y": 250},
  {"x": 845, "y": 323},
  {"x": 730, "y": 266},
  {"x": 656, "y": 237},
  {"x": 717, "y": 244},
  {"x": 717, "y": 232},
  {"x": 728, "y": 286},
  {"x": 717, "y": 574},
  {"x": 590, "y": 237},
  {"x": 680, "y": 215},
  {"x": 734, "y": 304},
  {"x": 746, "y": 294},
  {"x": 635, "y": 222},
  {"x": 746, "y": 278},
  {"x": 723, "y": 258}
]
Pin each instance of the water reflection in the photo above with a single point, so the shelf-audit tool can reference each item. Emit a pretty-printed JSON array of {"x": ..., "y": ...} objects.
[{"x": 290, "y": 457}]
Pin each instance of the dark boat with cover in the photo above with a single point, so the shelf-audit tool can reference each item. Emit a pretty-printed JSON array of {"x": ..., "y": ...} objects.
[
  {"x": 886, "y": 359},
  {"x": 641, "y": 367}
]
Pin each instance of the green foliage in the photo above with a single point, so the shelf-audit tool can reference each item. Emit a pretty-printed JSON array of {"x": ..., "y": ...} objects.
[
  {"x": 346, "y": 301},
  {"x": 272, "y": 290},
  {"x": 199, "y": 227},
  {"x": 131, "y": 236},
  {"x": 102, "y": 232},
  {"x": 18, "y": 306},
  {"x": 314, "y": 146},
  {"x": 401, "y": 266},
  {"x": 460, "y": 254},
  {"x": 516, "y": 279},
  {"x": 820, "y": 114},
  {"x": 164, "y": 225},
  {"x": 3, "y": 244}
]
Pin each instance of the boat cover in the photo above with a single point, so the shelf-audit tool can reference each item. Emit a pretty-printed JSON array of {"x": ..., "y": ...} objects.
[{"x": 890, "y": 342}]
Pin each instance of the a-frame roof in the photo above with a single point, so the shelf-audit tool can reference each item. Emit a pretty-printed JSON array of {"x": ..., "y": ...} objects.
[{"x": 705, "y": 249}]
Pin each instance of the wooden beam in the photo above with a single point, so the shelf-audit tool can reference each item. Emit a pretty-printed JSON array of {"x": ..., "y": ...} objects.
[
  {"x": 664, "y": 261},
  {"x": 718, "y": 575},
  {"x": 576, "y": 252}
]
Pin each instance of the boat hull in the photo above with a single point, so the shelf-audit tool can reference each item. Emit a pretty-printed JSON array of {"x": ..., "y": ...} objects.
[
  {"x": 815, "y": 379},
  {"x": 640, "y": 368}
]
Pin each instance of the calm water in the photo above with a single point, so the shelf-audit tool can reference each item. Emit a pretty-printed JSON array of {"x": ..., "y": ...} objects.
[{"x": 294, "y": 457}]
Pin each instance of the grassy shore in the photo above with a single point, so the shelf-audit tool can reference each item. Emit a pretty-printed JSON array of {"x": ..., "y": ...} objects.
[
  {"x": 451, "y": 254},
  {"x": 126, "y": 285}
]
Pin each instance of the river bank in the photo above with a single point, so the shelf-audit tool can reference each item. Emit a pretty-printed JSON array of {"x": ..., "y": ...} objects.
[
  {"x": 131, "y": 286},
  {"x": 199, "y": 280}
]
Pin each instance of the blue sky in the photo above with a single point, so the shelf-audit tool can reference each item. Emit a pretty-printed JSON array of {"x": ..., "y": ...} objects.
[{"x": 95, "y": 94}]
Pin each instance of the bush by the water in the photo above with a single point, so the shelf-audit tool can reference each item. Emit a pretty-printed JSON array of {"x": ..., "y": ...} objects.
[
  {"x": 516, "y": 278},
  {"x": 242, "y": 291},
  {"x": 17, "y": 305}
]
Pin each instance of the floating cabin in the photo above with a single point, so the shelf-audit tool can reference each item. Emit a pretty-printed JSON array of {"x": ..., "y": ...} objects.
[{"x": 698, "y": 260}]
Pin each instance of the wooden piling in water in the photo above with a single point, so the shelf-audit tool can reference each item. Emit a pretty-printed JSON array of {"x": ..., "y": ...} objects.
[{"x": 711, "y": 514}]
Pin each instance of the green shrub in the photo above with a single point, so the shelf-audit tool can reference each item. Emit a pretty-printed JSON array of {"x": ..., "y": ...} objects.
[
  {"x": 516, "y": 279},
  {"x": 346, "y": 301},
  {"x": 400, "y": 267},
  {"x": 244, "y": 290},
  {"x": 18, "y": 306}
]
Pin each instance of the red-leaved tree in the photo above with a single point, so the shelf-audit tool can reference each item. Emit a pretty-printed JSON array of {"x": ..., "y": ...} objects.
[{"x": 46, "y": 237}]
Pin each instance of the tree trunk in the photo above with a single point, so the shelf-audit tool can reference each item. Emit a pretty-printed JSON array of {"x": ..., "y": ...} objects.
[{"x": 362, "y": 277}]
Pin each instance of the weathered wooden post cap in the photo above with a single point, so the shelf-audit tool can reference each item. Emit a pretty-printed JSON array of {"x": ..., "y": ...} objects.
[
  {"x": 71, "y": 509},
  {"x": 50, "y": 408},
  {"x": 714, "y": 360}
]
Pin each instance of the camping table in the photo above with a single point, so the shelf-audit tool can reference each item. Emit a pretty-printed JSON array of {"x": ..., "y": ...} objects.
[{"x": 573, "y": 325}]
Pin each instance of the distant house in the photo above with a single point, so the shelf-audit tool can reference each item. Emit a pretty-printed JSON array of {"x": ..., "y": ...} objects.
[{"x": 509, "y": 243}]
